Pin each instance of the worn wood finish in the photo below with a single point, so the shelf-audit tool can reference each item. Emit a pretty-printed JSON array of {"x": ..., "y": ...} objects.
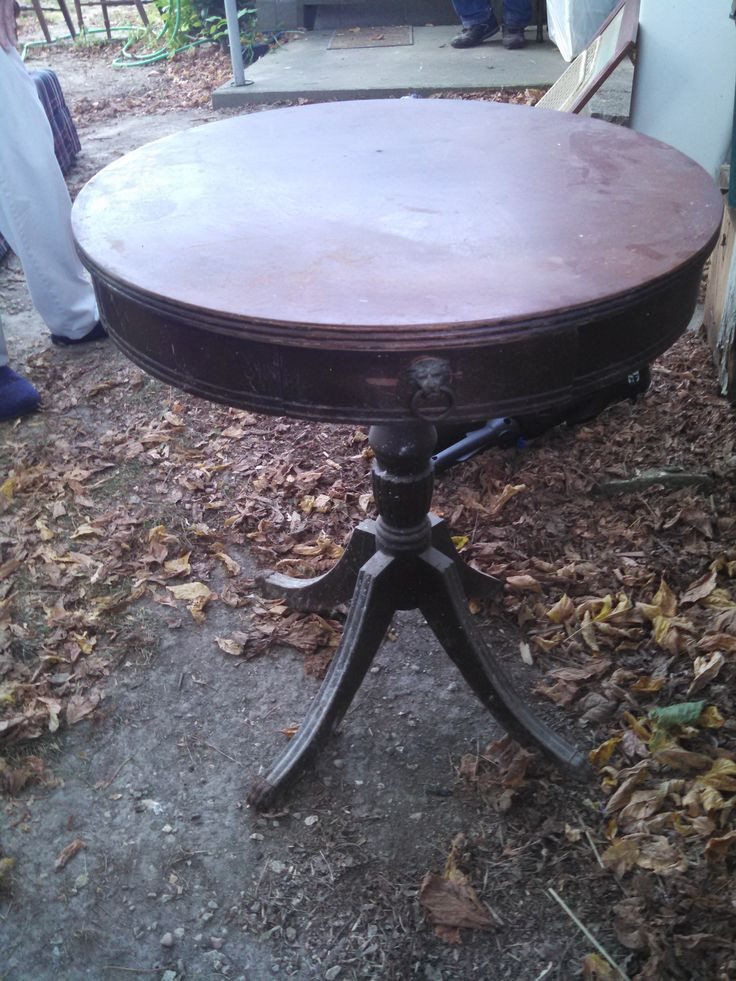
[
  {"x": 300, "y": 260},
  {"x": 346, "y": 261},
  {"x": 404, "y": 560}
]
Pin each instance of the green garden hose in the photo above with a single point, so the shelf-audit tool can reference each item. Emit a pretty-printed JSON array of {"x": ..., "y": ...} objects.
[{"x": 126, "y": 59}]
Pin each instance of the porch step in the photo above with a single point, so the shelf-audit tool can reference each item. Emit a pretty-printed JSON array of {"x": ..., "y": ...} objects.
[{"x": 306, "y": 68}]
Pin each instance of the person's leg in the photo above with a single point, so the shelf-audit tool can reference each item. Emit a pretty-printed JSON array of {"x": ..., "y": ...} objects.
[
  {"x": 478, "y": 20},
  {"x": 17, "y": 396},
  {"x": 472, "y": 12},
  {"x": 516, "y": 16},
  {"x": 35, "y": 209},
  {"x": 517, "y": 13}
]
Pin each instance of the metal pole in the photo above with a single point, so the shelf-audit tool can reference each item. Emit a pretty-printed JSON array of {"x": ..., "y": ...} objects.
[{"x": 233, "y": 34}]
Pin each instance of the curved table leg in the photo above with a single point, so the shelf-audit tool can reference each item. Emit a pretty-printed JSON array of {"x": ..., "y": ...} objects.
[
  {"x": 444, "y": 606},
  {"x": 406, "y": 560},
  {"x": 334, "y": 587},
  {"x": 369, "y": 617},
  {"x": 479, "y": 585}
]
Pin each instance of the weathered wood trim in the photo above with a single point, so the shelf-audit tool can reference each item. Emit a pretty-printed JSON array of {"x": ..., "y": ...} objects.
[{"x": 720, "y": 306}]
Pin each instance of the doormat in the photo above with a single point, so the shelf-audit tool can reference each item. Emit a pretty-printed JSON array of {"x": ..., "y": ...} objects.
[{"x": 371, "y": 37}]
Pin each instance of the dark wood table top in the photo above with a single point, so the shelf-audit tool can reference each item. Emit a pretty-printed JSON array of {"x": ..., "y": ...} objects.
[{"x": 366, "y": 234}]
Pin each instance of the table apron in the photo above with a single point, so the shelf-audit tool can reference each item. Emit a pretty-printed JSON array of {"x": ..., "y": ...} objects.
[{"x": 507, "y": 375}]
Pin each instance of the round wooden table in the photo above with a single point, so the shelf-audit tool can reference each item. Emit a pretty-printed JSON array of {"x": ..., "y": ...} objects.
[{"x": 395, "y": 263}]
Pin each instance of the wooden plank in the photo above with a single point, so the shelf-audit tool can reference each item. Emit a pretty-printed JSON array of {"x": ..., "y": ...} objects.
[
  {"x": 720, "y": 306},
  {"x": 41, "y": 19},
  {"x": 106, "y": 19},
  {"x": 67, "y": 17}
]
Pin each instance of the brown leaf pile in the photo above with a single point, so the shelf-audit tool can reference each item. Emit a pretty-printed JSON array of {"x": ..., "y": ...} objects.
[
  {"x": 155, "y": 506},
  {"x": 518, "y": 97},
  {"x": 627, "y": 604},
  {"x": 184, "y": 82}
]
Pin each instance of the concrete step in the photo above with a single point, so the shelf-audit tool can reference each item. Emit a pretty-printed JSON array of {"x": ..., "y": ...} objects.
[{"x": 306, "y": 68}]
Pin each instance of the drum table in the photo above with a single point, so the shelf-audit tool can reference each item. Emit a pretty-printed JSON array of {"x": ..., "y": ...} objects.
[{"x": 395, "y": 263}]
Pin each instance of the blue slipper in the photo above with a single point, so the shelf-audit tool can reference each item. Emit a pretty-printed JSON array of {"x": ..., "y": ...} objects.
[
  {"x": 17, "y": 396},
  {"x": 98, "y": 333}
]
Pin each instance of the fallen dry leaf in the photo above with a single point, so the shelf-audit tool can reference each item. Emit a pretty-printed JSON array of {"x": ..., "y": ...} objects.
[
  {"x": 191, "y": 591},
  {"x": 622, "y": 855},
  {"x": 509, "y": 491},
  {"x": 701, "y": 588},
  {"x": 563, "y": 610},
  {"x": 230, "y": 645},
  {"x": 664, "y": 604},
  {"x": 179, "y": 566},
  {"x": 718, "y": 642},
  {"x": 600, "y": 756},
  {"x": 452, "y": 904},
  {"x": 706, "y": 669},
  {"x": 14, "y": 779},
  {"x": 660, "y": 855},
  {"x": 717, "y": 848},
  {"x": 230, "y": 564},
  {"x": 66, "y": 854},
  {"x": 9, "y": 567},
  {"x": 524, "y": 584},
  {"x": 198, "y": 596},
  {"x": 80, "y": 706},
  {"x": 595, "y": 968}
]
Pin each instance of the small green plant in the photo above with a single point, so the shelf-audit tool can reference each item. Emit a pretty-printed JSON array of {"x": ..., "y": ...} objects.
[
  {"x": 182, "y": 21},
  {"x": 216, "y": 26},
  {"x": 186, "y": 21}
]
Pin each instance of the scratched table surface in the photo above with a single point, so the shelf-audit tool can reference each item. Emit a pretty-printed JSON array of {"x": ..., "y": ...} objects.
[{"x": 297, "y": 260}]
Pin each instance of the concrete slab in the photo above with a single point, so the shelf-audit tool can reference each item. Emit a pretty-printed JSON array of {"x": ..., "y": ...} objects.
[
  {"x": 305, "y": 69},
  {"x": 612, "y": 102}
]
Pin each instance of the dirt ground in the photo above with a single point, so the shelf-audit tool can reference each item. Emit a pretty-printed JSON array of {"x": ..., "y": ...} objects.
[{"x": 134, "y": 724}]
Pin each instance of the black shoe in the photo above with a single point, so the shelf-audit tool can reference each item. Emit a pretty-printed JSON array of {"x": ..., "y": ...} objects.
[
  {"x": 98, "y": 333},
  {"x": 469, "y": 37},
  {"x": 513, "y": 38}
]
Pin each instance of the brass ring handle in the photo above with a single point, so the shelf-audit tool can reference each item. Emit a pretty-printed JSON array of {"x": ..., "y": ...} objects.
[
  {"x": 431, "y": 379},
  {"x": 432, "y": 412}
]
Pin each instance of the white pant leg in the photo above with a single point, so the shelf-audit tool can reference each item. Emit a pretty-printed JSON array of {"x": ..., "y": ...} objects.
[{"x": 35, "y": 208}]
